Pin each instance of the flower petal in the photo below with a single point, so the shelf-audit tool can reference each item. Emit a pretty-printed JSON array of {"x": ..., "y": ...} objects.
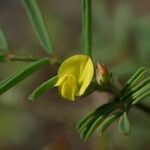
[
  {"x": 60, "y": 80},
  {"x": 86, "y": 76},
  {"x": 73, "y": 65},
  {"x": 69, "y": 88},
  {"x": 74, "y": 76}
]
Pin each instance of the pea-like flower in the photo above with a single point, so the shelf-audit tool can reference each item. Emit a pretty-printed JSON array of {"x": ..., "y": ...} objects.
[{"x": 74, "y": 76}]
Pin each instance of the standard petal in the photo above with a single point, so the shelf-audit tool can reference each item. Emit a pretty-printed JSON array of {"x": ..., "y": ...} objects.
[
  {"x": 86, "y": 76},
  {"x": 73, "y": 65}
]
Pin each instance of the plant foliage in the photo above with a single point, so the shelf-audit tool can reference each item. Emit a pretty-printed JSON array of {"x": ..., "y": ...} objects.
[
  {"x": 136, "y": 89},
  {"x": 133, "y": 91}
]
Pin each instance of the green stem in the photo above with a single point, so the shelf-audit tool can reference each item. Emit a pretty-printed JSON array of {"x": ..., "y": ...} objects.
[
  {"x": 22, "y": 58},
  {"x": 4, "y": 57},
  {"x": 7, "y": 57},
  {"x": 87, "y": 26}
]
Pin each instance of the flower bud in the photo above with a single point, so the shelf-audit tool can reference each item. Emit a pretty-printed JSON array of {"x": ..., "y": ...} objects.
[{"x": 102, "y": 75}]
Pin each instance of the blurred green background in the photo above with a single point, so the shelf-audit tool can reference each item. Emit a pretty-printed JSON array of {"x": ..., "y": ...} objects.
[{"x": 121, "y": 40}]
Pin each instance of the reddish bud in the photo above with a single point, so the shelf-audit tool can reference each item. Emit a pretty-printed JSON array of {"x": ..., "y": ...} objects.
[{"x": 102, "y": 74}]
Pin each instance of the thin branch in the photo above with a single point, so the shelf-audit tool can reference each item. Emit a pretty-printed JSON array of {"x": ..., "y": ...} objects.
[
  {"x": 23, "y": 58},
  {"x": 87, "y": 26},
  {"x": 11, "y": 57}
]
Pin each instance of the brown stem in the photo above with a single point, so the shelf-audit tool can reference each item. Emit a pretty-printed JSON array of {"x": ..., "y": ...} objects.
[{"x": 11, "y": 57}]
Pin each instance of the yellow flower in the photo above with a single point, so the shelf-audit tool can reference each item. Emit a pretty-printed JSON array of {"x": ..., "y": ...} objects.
[{"x": 74, "y": 76}]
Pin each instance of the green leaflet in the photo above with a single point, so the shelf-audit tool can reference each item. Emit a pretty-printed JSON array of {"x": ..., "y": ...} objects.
[
  {"x": 133, "y": 80},
  {"x": 92, "y": 127},
  {"x": 89, "y": 124},
  {"x": 22, "y": 74},
  {"x": 3, "y": 42},
  {"x": 140, "y": 97},
  {"x": 134, "y": 91},
  {"x": 129, "y": 93},
  {"x": 86, "y": 119},
  {"x": 108, "y": 121},
  {"x": 37, "y": 21},
  {"x": 135, "y": 76},
  {"x": 140, "y": 92},
  {"x": 49, "y": 84},
  {"x": 124, "y": 125}
]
